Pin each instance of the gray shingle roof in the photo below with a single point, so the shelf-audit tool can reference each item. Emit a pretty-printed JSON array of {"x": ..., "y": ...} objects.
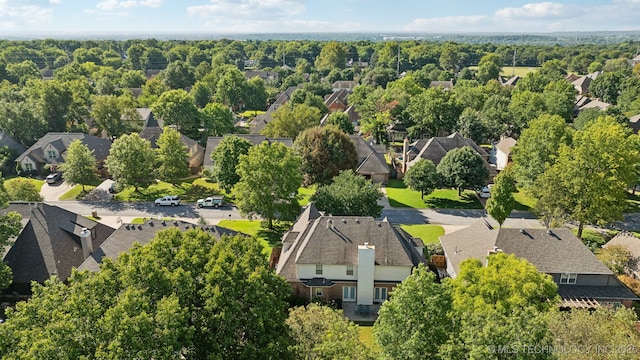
[
  {"x": 599, "y": 292},
  {"x": 8, "y": 141},
  {"x": 506, "y": 144},
  {"x": 334, "y": 240},
  {"x": 436, "y": 148},
  {"x": 631, "y": 243},
  {"x": 61, "y": 142},
  {"x": 126, "y": 235},
  {"x": 369, "y": 160},
  {"x": 556, "y": 252},
  {"x": 48, "y": 243}
]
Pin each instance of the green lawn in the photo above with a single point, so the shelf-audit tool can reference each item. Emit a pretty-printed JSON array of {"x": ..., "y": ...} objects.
[
  {"x": 190, "y": 191},
  {"x": 76, "y": 192},
  {"x": 401, "y": 196},
  {"x": 428, "y": 233},
  {"x": 366, "y": 336},
  {"x": 523, "y": 202},
  {"x": 37, "y": 183},
  {"x": 305, "y": 194},
  {"x": 268, "y": 238},
  {"x": 508, "y": 71}
]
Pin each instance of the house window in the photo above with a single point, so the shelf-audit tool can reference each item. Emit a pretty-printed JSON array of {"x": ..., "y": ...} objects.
[
  {"x": 28, "y": 166},
  {"x": 380, "y": 294},
  {"x": 51, "y": 154},
  {"x": 318, "y": 269},
  {"x": 568, "y": 278},
  {"x": 348, "y": 293},
  {"x": 318, "y": 293},
  {"x": 349, "y": 269}
]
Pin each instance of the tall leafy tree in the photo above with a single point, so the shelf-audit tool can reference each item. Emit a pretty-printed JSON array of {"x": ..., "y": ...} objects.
[
  {"x": 231, "y": 89},
  {"x": 325, "y": 151},
  {"x": 176, "y": 107},
  {"x": 80, "y": 165},
  {"x": 341, "y": 120},
  {"x": 588, "y": 182},
  {"x": 107, "y": 110},
  {"x": 226, "y": 157},
  {"x": 423, "y": 176},
  {"x": 489, "y": 68},
  {"x": 501, "y": 203},
  {"x": 463, "y": 168},
  {"x": 332, "y": 56},
  {"x": 415, "y": 321},
  {"x": 183, "y": 295},
  {"x": 434, "y": 112},
  {"x": 52, "y": 102},
  {"x": 349, "y": 194},
  {"x": 217, "y": 120},
  {"x": 178, "y": 75},
  {"x": 172, "y": 156},
  {"x": 538, "y": 147},
  {"x": 20, "y": 121},
  {"x": 269, "y": 181},
  {"x": 504, "y": 303},
  {"x": 22, "y": 189},
  {"x": 131, "y": 161},
  {"x": 321, "y": 332},
  {"x": 290, "y": 121},
  {"x": 10, "y": 226}
]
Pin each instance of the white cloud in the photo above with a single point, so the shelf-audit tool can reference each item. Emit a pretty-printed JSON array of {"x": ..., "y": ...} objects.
[
  {"x": 538, "y": 10},
  {"x": 55, "y": 2},
  {"x": 111, "y": 5},
  {"x": 17, "y": 14},
  {"x": 248, "y": 9}
]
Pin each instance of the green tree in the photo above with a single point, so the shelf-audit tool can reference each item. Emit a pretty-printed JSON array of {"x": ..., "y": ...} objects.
[
  {"x": 463, "y": 168},
  {"x": 217, "y": 120},
  {"x": 332, "y": 56},
  {"x": 489, "y": 68},
  {"x": 618, "y": 258},
  {"x": 10, "y": 227},
  {"x": 22, "y": 189},
  {"x": 52, "y": 102},
  {"x": 434, "y": 112},
  {"x": 269, "y": 181},
  {"x": 537, "y": 148},
  {"x": 257, "y": 94},
  {"x": 176, "y": 107},
  {"x": 504, "y": 303},
  {"x": 290, "y": 121},
  {"x": 423, "y": 177},
  {"x": 80, "y": 165},
  {"x": 501, "y": 203},
  {"x": 19, "y": 120},
  {"x": 226, "y": 157},
  {"x": 415, "y": 321},
  {"x": 183, "y": 295},
  {"x": 172, "y": 156},
  {"x": 349, "y": 194},
  {"x": 131, "y": 161},
  {"x": 325, "y": 151},
  {"x": 606, "y": 328},
  {"x": 586, "y": 116},
  {"x": 320, "y": 332},
  {"x": 376, "y": 125},
  {"x": 341, "y": 120},
  {"x": 107, "y": 110},
  {"x": 178, "y": 75},
  {"x": 132, "y": 79},
  {"x": 232, "y": 88},
  {"x": 588, "y": 181}
]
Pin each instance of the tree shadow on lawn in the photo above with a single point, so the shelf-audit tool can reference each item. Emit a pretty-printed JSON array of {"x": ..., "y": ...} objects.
[
  {"x": 467, "y": 201},
  {"x": 194, "y": 192},
  {"x": 274, "y": 236}
]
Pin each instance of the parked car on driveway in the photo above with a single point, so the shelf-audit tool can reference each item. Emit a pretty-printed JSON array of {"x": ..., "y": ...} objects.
[
  {"x": 485, "y": 192},
  {"x": 211, "y": 201},
  {"x": 172, "y": 200},
  {"x": 53, "y": 178}
]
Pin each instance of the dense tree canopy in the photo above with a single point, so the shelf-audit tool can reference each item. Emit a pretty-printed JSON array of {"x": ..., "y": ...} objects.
[
  {"x": 290, "y": 121},
  {"x": 131, "y": 161},
  {"x": 349, "y": 194},
  {"x": 184, "y": 295},
  {"x": 172, "y": 156},
  {"x": 502, "y": 202},
  {"x": 423, "y": 176},
  {"x": 463, "y": 168},
  {"x": 269, "y": 181},
  {"x": 325, "y": 151},
  {"x": 80, "y": 165},
  {"x": 226, "y": 157}
]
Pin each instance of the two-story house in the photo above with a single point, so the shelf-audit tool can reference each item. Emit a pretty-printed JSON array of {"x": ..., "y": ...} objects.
[
  {"x": 583, "y": 280},
  {"x": 356, "y": 261}
]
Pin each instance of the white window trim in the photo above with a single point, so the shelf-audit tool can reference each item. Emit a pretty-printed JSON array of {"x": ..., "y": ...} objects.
[
  {"x": 349, "y": 270},
  {"x": 349, "y": 298},
  {"x": 378, "y": 291},
  {"x": 568, "y": 278},
  {"x": 319, "y": 269}
]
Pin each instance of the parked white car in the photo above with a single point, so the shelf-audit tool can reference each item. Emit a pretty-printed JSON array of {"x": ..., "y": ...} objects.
[
  {"x": 485, "y": 192},
  {"x": 169, "y": 200}
]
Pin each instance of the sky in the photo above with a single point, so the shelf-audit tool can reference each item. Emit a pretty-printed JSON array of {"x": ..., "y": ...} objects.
[{"x": 304, "y": 16}]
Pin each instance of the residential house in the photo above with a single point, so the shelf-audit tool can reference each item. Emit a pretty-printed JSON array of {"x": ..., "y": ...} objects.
[
  {"x": 436, "y": 148},
  {"x": 14, "y": 146},
  {"x": 512, "y": 81},
  {"x": 583, "y": 281},
  {"x": 347, "y": 85},
  {"x": 122, "y": 239},
  {"x": 446, "y": 85},
  {"x": 51, "y": 148},
  {"x": 502, "y": 152},
  {"x": 371, "y": 162},
  {"x": 337, "y": 100},
  {"x": 266, "y": 76},
  {"x": 634, "y": 123},
  {"x": 597, "y": 104},
  {"x": 214, "y": 141},
  {"x": 582, "y": 85},
  {"x": 354, "y": 117},
  {"x": 153, "y": 129},
  {"x": 260, "y": 121},
  {"x": 631, "y": 243},
  {"x": 354, "y": 261},
  {"x": 151, "y": 73},
  {"x": 572, "y": 77},
  {"x": 52, "y": 241}
]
